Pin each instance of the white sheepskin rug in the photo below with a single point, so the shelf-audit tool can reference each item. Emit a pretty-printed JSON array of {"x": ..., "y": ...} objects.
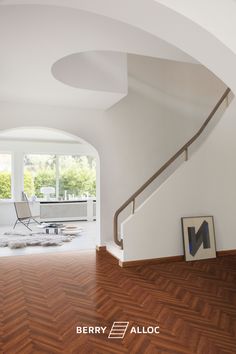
[{"x": 14, "y": 239}]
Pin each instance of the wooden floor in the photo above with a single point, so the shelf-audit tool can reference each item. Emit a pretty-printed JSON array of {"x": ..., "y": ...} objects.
[{"x": 43, "y": 299}]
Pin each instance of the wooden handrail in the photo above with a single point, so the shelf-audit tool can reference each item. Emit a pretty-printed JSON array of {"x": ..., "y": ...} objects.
[{"x": 183, "y": 149}]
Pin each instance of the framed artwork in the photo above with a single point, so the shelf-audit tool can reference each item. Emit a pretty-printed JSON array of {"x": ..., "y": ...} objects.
[{"x": 199, "y": 237}]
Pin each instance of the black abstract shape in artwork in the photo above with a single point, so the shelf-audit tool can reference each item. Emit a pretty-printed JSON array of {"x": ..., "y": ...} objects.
[{"x": 196, "y": 239}]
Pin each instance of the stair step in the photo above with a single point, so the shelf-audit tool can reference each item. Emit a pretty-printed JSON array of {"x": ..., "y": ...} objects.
[{"x": 115, "y": 250}]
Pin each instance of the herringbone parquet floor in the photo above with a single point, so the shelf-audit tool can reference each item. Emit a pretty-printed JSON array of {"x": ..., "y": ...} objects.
[{"x": 45, "y": 297}]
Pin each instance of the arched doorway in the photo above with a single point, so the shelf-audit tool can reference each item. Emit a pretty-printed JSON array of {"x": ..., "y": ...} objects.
[{"x": 32, "y": 158}]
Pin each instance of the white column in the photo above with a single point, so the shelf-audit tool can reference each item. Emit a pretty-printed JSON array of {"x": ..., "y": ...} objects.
[{"x": 57, "y": 176}]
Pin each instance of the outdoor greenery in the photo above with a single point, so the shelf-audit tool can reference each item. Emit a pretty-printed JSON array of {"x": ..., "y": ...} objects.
[
  {"x": 44, "y": 178},
  {"x": 77, "y": 176},
  {"x": 78, "y": 182},
  {"x": 5, "y": 185},
  {"x": 29, "y": 183}
]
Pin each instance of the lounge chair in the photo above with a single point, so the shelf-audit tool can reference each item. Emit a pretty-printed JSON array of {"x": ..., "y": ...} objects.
[{"x": 24, "y": 215}]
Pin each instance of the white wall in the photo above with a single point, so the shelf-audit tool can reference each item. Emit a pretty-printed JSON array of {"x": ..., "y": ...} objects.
[
  {"x": 134, "y": 137},
  {"x": 205, "y": 185}
]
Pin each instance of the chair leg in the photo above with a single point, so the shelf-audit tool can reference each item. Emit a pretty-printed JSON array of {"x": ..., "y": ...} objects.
[
  {"x": 36, "y": 221},
  {"x": 26, "y": 225},
  {"x": 15, "y": 224}
]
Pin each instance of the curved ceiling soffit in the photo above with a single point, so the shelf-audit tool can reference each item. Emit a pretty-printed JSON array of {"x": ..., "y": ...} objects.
[
  {"x": 174, "y": 23},
  {"x": 93, "y": 70},
  {"x": 155, "y": 18},
  {"x": 32, "y": 76},
  {"x": 45, "y": 134}
]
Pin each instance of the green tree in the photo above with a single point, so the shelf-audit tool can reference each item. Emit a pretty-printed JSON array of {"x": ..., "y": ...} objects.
[
  {"x": 77, "y": 174},
  {"x": 78, "y": 182},
  {"x": 5, "y": 185},
  {"x": 44, "y": 178},
  {"x": 29, "y": 184}
]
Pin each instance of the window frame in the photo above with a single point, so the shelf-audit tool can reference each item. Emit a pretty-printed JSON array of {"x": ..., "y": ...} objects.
[
  {"x": 57, "y": 169},
  {"x": 11, "y": 153},
  {"x": 37, "y": 153}
]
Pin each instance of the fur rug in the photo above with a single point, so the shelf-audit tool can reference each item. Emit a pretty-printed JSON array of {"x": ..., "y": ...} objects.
[{"x": 14, "y": 239}]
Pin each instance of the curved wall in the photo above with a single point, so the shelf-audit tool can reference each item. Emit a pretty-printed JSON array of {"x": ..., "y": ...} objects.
[
  {"x": 203, "y": 186},
  {"x": 137, "y": 135}
]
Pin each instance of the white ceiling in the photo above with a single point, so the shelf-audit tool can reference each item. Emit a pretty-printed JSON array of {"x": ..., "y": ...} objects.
[{"x": 34, "y": 37}]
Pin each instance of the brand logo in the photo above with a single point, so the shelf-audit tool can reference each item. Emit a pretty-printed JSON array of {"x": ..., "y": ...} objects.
[
  {"x": 118, "y": 330},
  {"x": 90, "y": 330}
]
